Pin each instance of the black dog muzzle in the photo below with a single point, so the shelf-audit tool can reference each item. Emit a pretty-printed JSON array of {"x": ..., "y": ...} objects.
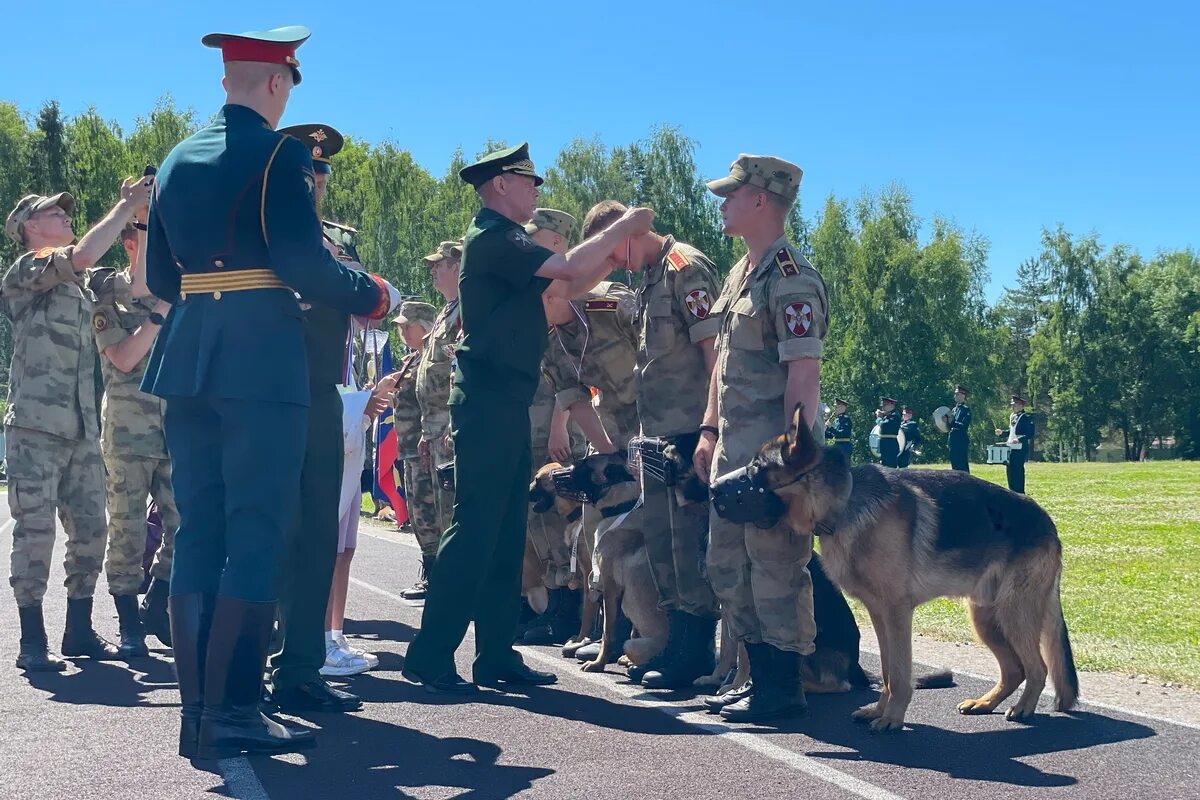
[
  {"x": 743, "y": 497},
  {"x": 570, "y": 483}
]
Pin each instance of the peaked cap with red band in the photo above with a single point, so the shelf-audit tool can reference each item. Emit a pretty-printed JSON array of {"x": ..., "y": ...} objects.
[{"x": 276, "y": 46}]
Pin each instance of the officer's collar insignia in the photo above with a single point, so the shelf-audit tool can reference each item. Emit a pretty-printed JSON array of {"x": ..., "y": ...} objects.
[
  {"x": 785, "y": 262},
  {"x": 602, "y": 304},
  {"x": 319, "y": 135},
  {"x": 677, "y": 259}
]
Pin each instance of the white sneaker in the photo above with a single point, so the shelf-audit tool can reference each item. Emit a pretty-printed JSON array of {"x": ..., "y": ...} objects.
[
  {"x": 339, "y": 662},
  {"x": 371, "y": 658}
]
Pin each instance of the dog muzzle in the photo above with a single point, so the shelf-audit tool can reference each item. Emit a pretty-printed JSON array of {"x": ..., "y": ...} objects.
[
  {"x": 743, "y": 498},
  {"x": 568, "y": 483},
  {"x": 648, "y": 456},
  {"x": 445, "y": 476}
]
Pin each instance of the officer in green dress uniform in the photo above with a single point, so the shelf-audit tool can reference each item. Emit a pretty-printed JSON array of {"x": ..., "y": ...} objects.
[
  {"x": 477, "y": 573},
  {"x": 310, "y": 543},
  {"x": 233, "y": 236},
  {"x": 1020, "y": 439},
  {"x": 839, "y": 431},
  {"x": 912, "y": 437},
  {"x": 889, "y": 429},
  {"x": 960, "y": 420}
]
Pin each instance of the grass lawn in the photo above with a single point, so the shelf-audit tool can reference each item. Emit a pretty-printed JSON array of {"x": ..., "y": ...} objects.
[{"x": 1131, "y": 565}]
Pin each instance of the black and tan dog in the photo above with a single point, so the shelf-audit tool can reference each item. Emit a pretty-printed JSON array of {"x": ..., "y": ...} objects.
[
  {"x": 895, "y": 539},
  {"x": 626, "y": 583}
]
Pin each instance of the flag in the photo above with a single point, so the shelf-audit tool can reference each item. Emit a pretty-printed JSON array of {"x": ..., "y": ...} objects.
[{"x": 387, "y": 485}]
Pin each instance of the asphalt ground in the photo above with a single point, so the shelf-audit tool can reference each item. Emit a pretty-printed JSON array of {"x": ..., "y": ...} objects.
[{"x": 109, "y": 730}]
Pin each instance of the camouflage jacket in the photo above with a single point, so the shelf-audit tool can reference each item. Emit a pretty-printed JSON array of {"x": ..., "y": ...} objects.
[
  {"x": 132, "y": 418},
  {"x": 434, "y": 371},
  {"x": 674, "y": 313},
  {"x": 52, "y": 379},
  {"x": 407, "y": 415},
  {"x": 771, "y": 313},
  {"x": 599, "y": 349}
]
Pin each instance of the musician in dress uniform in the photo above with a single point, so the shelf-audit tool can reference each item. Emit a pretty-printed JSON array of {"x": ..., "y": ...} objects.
[
  {"x": 888, "y": 419},
  {"x": 912, "y": 437},
  {"x": 839, "y": 431},
  {"x": 1020, "y": 439},
  {"x": 960, "y": 420},
  {"x": 233, "y": 236}
]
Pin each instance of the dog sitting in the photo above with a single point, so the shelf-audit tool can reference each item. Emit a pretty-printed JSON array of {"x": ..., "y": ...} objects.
[
  {"x": 626, "y": 583},
  {"x": 895, "y": 539}
]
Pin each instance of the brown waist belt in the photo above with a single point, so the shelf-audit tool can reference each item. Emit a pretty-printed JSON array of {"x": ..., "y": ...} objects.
[{"x": 241, "y": 280}]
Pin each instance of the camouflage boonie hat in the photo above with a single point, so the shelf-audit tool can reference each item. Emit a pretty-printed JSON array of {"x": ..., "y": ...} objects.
[
  {"x": 774, "y": 175},
  {"x": 416, "y": 311},
  {"x": 548, "y": 219},
  {"x": 29, "y": 205},
  {"x": 452, "y": 250}
]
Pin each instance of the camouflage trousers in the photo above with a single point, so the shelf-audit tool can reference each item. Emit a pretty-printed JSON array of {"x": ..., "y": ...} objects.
[
  {"x": 761, "y": 577},
  {"x": 47, "y": 473},
  {"x": 441, "y": 453},
  {"x": 131, "y": 479},
  {"x": 422, "y": 506},
  {"x": 675, "y": 536},
  {"x": 547, "y": 533}
]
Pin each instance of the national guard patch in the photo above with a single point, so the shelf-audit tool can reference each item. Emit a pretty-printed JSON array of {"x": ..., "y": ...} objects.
[
  {"x": 601, "y": 304},
  {"x": 697, "y": 302},
  {"x": 787, "y": 266},
  {"x": 100, "y": 322},
  {"x": 798, "y": 317},
  {"x": 678, "y": 260},
  {"x": 521, "y": 239}
]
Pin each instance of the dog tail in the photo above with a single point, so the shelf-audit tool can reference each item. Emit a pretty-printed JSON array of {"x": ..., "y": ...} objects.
[
  {"x": 1056, "y": 649},
  {"x": 941, "y": 679}
]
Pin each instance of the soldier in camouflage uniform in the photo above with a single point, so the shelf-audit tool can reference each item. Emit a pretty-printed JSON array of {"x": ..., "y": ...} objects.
[
  {"x": 414, "y": 322},
  {"x": 546, "y": 534},
  {"x": 125, "y": 320},
  {"x": 674, "y": 361},
  {"x": 434, "y": 370},
  {"x": 53, "y": 447},
  {"x": 773, "y": 311}
]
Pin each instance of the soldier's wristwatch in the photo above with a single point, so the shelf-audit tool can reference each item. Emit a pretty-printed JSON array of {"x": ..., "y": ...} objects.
[{"x": 157, "y": 318}]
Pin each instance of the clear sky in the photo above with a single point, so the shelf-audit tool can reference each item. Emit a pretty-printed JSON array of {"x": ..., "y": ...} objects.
[{"x": 1005, "y": 116}]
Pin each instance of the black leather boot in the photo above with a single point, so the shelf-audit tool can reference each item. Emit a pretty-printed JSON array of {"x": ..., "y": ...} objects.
[
  {"x": 781, "y": 696},
  {"x": 419, "y": 589},
  {"x": 35, "y": 655},
  {"x": 664, "y": 662},
  {"x": 233, "y": 682},
  {"x": 80, "y": 638},
  {"x": 560, "y": 621},
  {"x": 695, "y": 657},
  {"x": 133, "y": 638},
  {"x": 191, "y": 619},
  {"x": 154, "y": 611}
]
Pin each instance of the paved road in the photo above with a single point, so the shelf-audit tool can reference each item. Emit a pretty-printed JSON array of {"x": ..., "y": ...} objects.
[{"x": 107, "y": 731}]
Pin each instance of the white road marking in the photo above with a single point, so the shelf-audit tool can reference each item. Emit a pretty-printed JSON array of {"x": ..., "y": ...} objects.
[{"x": 241, "y": 780}]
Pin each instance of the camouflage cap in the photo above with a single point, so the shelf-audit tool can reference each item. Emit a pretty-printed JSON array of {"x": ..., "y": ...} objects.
[
  {"x": 444, "y": 250},
  {"x": 512, "y": 159},
  {"x": 416, "y": 311},
  {"x": 29, "y": 205},
  {"x": 774, "y": 175},
  {"x": 548, "y": 219}
]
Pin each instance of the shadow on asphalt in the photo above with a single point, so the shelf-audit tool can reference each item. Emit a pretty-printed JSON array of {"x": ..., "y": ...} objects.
[
  {"x": 376, "y": 759},
  {"x": 108, "y": 683},
  {"x": 983, "y": 755}
]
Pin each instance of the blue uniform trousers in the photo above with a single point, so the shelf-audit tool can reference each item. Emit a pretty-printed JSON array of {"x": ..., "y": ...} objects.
[{"x": 236, "y": 472}]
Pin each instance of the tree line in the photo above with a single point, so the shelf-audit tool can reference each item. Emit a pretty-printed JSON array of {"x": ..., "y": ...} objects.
[{"x": 1103, "y": 341}]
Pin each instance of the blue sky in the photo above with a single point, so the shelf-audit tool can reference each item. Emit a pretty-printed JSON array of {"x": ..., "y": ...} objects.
[{"x": 1003, "y": 116}]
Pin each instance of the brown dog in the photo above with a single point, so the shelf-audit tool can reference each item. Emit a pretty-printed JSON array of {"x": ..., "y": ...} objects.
[{"x": 895, "y": 539}]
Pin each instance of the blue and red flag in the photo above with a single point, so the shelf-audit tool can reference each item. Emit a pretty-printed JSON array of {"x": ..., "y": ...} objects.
[{"x": 388, "y": 487}]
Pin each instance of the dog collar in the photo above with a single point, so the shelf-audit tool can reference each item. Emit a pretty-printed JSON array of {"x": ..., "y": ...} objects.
[
  {"x": 623, "y": 508},
  {"x": 575, "y": 514}
]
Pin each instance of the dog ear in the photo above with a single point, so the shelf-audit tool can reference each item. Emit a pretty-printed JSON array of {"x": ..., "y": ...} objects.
[{"x": 800, "y": 451}]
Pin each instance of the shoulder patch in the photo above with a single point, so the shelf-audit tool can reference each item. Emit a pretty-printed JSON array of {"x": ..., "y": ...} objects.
[
  {"x": 798, "y": 317},
  {"x": 602, "y": 304},
  {"x": 100, "y": 321},
  {"x": 785, "y": 262},
  {"x": 677, "y": 259},
  {"x": 698, "y": 303},
  {"x": 44, "y": 252},
  {"x": 521, "y": 239}
]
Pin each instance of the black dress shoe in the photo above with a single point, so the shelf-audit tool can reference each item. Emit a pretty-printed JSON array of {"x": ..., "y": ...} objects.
[
  {"x": 316, "y": 695},
  {"x": 447, "y": 683},
  {"x": 517, "y": 675}
]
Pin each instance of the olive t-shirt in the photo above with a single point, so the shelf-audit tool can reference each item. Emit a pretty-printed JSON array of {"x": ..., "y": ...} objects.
[{"x": 503, "y": 322}]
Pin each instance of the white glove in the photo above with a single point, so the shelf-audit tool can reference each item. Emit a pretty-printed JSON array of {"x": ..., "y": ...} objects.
[{"x": 394, "y": 296}]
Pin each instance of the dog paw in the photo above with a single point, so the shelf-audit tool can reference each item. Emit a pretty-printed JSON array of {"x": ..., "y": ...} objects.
[
  {"x": 593, "y": 666},
  {"x": 887, "y": 724},
  {"x": 977, "y": 706},
  {"x": 871, "y": 712},
  {"x": 1016, "y": 714},
  {"x": 624, "y": 661}
]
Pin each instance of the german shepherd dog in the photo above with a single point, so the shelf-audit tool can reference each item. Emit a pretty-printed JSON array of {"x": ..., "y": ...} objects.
[
  {"x": 895, "y": 539},
  {"x": 626, "y": 583}
]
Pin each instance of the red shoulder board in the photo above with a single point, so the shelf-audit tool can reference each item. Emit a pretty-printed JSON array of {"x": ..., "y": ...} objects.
[
  {"x": 44, "y": 252},
  {"x": 678, "y": 260},
  {"x": 787, "y": 266},
  {"x": 601, "y": 304}
]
